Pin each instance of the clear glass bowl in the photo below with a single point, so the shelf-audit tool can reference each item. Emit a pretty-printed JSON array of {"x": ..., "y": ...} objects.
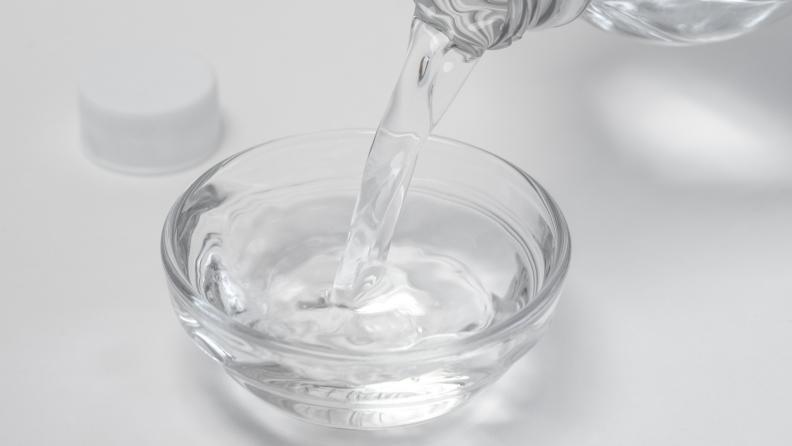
[{"x": 464, "y": 204}]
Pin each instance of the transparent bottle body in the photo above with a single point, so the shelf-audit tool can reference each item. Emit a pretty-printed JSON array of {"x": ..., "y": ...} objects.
[
  {"x": 475, "y": 26},
  {"x": 684, "y": 21}
]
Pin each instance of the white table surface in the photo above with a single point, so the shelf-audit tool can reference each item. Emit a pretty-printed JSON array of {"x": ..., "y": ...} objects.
[{"x": 673, "y": 167}]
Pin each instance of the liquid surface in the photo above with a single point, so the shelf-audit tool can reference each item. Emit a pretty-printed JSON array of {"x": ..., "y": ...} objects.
[
  {"x": 432, "y": 75},
  {"x": 273, "y": 271}
]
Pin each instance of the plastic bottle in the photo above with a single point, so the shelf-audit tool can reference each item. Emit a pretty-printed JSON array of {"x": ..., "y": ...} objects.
[{"x": 477, "y": 25}]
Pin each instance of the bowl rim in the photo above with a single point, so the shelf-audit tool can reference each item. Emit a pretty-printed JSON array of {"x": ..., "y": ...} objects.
[{"x": 523, "y": 319}]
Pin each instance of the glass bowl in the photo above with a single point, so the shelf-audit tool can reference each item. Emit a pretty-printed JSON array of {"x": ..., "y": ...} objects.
[{"x": 239, "y": 231}]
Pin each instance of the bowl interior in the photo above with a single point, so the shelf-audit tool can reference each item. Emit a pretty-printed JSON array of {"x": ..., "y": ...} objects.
[{"x": 249, "y": 230}]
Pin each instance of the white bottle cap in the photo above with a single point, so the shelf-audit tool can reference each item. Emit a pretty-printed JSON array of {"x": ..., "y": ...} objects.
[{"x": 148, "y": 109}]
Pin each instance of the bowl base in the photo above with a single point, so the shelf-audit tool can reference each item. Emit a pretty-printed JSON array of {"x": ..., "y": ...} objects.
[{"x": 360, "y": 418}]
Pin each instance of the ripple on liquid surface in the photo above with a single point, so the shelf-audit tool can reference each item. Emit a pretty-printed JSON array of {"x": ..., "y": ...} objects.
[{"x": 271, "y": 263}]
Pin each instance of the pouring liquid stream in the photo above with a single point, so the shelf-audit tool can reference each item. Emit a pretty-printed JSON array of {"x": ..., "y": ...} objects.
[{"x": 432, "y": 75}]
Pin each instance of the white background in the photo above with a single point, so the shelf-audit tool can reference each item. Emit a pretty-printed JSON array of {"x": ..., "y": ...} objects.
[{"x": 672, "y": 165}]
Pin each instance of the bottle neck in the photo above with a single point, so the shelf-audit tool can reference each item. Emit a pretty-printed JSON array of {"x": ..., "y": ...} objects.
[{"x": 475, "y": 26}]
